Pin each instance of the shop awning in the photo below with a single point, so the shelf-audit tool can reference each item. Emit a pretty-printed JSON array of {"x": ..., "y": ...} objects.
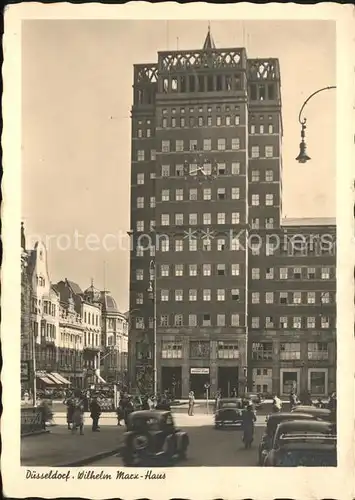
[
  {"x": 46, "y": 380},
  {"x": 61, "y": 379}
]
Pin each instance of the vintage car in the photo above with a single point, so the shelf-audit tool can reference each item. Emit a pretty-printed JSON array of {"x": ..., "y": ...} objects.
[
  {"x": 151, "y": 436},
  {"x": 229, "y": 411},
  {"x": 272, "y": 421},
  {"x": 297, "y": 443},
  {"x": 255, "y": 399},
  {"x": 321, "y": 413}
]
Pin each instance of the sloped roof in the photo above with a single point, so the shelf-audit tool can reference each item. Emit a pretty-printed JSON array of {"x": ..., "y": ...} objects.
[
  {"x": 209, "y": 42},
  {"x": 75, "y": 287}
]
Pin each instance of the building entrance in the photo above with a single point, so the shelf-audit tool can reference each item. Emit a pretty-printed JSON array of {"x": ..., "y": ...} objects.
[
  {"x": 227, "y": 380},
  {"x": 198, "y": 378},
  {"x": 171, "y": 380}
]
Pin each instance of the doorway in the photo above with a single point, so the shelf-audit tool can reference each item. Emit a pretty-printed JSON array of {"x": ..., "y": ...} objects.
[
  {"x": 171, "y": 380},
  {"x": 227, "y": 380},
  {"x": 290, "y": 380},
  {"x": 197, "y": 384}
]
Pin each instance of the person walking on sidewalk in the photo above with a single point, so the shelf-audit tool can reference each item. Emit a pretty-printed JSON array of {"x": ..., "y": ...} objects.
[
  {"x": 95, "y": 412},
  {"x": 78, "y": 417},
  {"x": 70, "y": 412},
  {"x": 191, "y": 403}
]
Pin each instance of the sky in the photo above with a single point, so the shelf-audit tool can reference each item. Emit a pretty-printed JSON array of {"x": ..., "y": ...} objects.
[{"x": 76, "y": 128}]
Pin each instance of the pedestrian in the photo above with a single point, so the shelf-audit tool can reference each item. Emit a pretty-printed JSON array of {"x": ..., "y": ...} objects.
[
  {"x": 191, "y": 403},
  {"x": 151, "y": 402},
  {"x": 276, "y": 404},
  {"x": 70, "y": 412},
  {"x": 95, "y": 412},
  {"x": 78, "y": 417},
  {"x": 249, "y": 418},
  {"x": 129, "y": 408}
]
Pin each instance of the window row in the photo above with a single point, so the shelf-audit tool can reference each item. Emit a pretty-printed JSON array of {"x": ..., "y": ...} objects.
[
  {"x": 192, "y": 320},
  {"x": 268, "y": 176},
  {"x": 288, "y": 298},
  {"x": 201, "y": 83},
  {"x": 280, "y": 247},
  {"x": 261, "y": 129},
  {"x": 200, "y": 109},
  {"x": 200, "y": 121},
  {"x": 183, "y": 170},
  {"x": 296, "y": 273},
  {"x": 219, "y": 295},
  {"x": 293, "y": 322},
  {"x": 180, "y": 145},
  {"x": 289, "y": 350},
  {"x": 269, "y": 200},
  {"x": 222, "y": 193},
  {"x": 269, "y": 223},
  {"x": 206, "y": 243},
  {"x": 167, "y": 270},
  {"x": 265, "y": 152},
  {"x": 197, "y": 349},
  {"x": 205, "y": 219},
  {"x": 143, "y": 155}
]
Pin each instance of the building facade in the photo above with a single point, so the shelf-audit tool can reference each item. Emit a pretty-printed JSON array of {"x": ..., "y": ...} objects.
[{"x": 206, "y": 186}]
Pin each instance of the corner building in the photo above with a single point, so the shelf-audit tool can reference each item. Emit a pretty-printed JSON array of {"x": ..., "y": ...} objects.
[{"x": 206, "y": 172}]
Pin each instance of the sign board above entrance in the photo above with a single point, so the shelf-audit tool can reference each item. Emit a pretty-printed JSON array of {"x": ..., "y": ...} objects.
[{"x": 199, "y": 371}]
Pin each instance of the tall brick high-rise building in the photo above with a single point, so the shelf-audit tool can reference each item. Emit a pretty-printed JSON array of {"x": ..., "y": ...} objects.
[{"x": 206, "y": 185}]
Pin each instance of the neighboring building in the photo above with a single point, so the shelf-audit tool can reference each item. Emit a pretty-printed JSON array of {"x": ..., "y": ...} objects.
[
  {"x": 206, "y": 176},
  {"x": 26, "y": 294},
  {"x": 114, "y": 340}
]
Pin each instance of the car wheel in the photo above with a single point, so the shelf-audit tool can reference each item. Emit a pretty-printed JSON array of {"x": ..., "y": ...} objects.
[
  {"x": 169, "y": 447},
  {"x": 135, "y": 450},
  {"x": 216, "y": 426},
  {"x": 184, "y": 446}
]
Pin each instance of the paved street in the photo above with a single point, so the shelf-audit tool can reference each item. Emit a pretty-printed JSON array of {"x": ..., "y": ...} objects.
[{"x": 208, "y": 447}]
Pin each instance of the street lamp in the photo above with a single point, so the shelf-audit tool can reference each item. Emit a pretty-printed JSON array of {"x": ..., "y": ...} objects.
[
  {"x": 152, "y": 291},
  {"x": 303, "y": 157}
]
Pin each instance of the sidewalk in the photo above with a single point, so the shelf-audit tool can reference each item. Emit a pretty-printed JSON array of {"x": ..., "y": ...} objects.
[{"x": 61, "y": 448}]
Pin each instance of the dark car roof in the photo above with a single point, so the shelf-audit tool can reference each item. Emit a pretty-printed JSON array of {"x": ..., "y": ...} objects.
[
  {"x": 230, "y": 400},
  {"x": 305, "y": 425},
  {"x": 148, "y": 414},
  {"x": 274, "y": 417},
  {"x": 311, "y": 409}
]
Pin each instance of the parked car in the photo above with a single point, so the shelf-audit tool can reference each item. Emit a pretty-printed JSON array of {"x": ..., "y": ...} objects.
[
  {"x": 229, "y": 411},
  {"x": 321, "y": 413},
  {"x": 297, "y": 443},
  {"x": 152, "y": 436},
  {"x": 272, "y": 421}
]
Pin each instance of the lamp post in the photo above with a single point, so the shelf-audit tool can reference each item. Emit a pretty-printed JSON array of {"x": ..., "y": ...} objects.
[
  {"x": 303, "y": 157},
  {"x": 152, "y": 290}
]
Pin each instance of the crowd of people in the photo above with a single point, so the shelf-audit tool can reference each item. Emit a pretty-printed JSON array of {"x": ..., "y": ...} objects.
[{"x": 306, "y": 400}]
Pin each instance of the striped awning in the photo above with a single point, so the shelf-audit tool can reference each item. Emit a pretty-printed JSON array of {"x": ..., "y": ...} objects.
[
  {"x": 46, "y": 380},
  {"x": 61, "y": 379}
]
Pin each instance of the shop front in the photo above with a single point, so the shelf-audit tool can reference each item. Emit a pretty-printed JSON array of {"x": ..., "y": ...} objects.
[
  {"x": 199, "y": 377},
  {"x": 289, "y": 380}
]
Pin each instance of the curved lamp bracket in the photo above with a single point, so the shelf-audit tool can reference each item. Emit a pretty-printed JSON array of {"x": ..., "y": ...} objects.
[{"x": 303, "y": 121}]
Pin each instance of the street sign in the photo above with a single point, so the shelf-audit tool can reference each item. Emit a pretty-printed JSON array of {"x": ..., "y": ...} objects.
[
  {"x": 207, "y": 385},
  {"x": 25, "y": 371},
  {"x": 199, "y": 371}
]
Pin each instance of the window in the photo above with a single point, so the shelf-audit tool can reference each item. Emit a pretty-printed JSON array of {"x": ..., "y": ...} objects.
[
  {"x": 209, "y": 121},
  {"x": 192, "y": 320},
  {"x": 297, "y": 297},
  {"x": 139, "y": 274},
  {"x": 207, "y": 144},
  {"x": 261, "y": 129},
  {"x": 182, "y": 122},
  {"x": 139, "y": 298},
  {"x": 164, "y": 270},
  {"x": 193, "y": 145},
  {"x": 139, "y": 133},
  {"x": 193, "y": 270},
  {"x": 192, "y": 295},
  {"x": 227, "y": 350},
  {"x": 200, "y": 349},
  {"x": 179, "y": 170},
  {"x": 252, "y": 129},
  {"x": 311, "y": 298},
  {"x": 325, "y": 273},
  {"x": 221, "y": 218},
  {"x": 324, "y": 322},
  {"x": 325, "y": 297},
  {"x": 255, "y": 298},
  {"x": 228, "y": 120},
  {"x": 165, "y": 245},
  {"x": 221, "y": 193},
  {"x": 269, "y": 199},
  {"x": 269, "y": 297},
  {"x": 255, "y": 175},
  {"x": 269, "y": 322},
  {"x": 297, "y": 273},
  {"x": 235, "y": 269},
  {"x": 139, "y": 323},
  {"x": 218, "y": 121},
  {"x": 152, "y": 202},
  {"x": 255, "y": 223},
  {"x": 262, "y": 351},
  {"x": 235, "y": 319},
  {"x": 236, "y": 120},
  {"x": 235, "y": 193},
  {"x": 165, "y": 146},
  {"x": 221, "y": 320},
  {"x": 179, "y": 245},
  {"x": 140, "y": 225},
  {"x": 200, "y": 121},
  {"x": 311, "y": 322},
  {"x": 179, "y": 194},
  {"x": 207, "y": 168},
  {"x": 173, "y": 122},
  {"x": 164, "y": 295},
  {"x": 221, "y": 144},
  {"x": 283, "y": 322},
  {"x": 318, "y": 351},
  {"x": 192, "y": 245},
  {"x": 165, "y": 170},
  {"x": 165, "y": 219},
  {"x": 207, "y": 194},
  {"x": 169, "y": 349},
  {"x": 207, "y": 244},
  {"x": 255, "y": 151},
  {"x": 206, "y": 219},
  {"x": 193, "y": 219},
  {"x": 165, "y": 122},
  {"x": 290, "y": 350},
  {"x": 193, "y": 169},
  {"x": 235, "y": 168},
  {"x": 235, "y": 218},
  {"x": 179, "y": 219},
  {"x": 235, "y": 143},
  {"x": 270, "y": 248},
  {"x": 153, "y": 154},
  {"x": 140, "y": 178},
  {"x": 164, "y": 320},
  {"x": 297, "y": 322},
  {"x": 140, "y": 155},
  {"x": 221, "y": 295},
  {"x": 139, "y": 251},
  {"x": 179, "y": 294},
  {"x": 235, "y": 294},
  {"x": 255, "y": 248},
  {"x": 283, "y": 273},
  {"x": 283, "y": 297},
  {"x": 255, "y": 322},
  {"x": 271, "y": 129},
  {"x": 140, "y": 202},
  {"x": 311, "y": 273},
  {"x": 179, "y": 269},
  {"x": 269, "y": 222},
  {"x": 269, "y": 151},
  {"x": 206, "y": 269},
  {"x": 255, "y": 200},
  {"x": 179, "y": 145},
  {"x": 221, "y": 269},
  {"x": 269, "y": 175},
  {"x": 255, "y": 273},
  {"x": 165, "y": 195},
  {"x": 269, "y": 275},
  {"x": 221, "y": 244},
  {"x": 317, "y": 382}
]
